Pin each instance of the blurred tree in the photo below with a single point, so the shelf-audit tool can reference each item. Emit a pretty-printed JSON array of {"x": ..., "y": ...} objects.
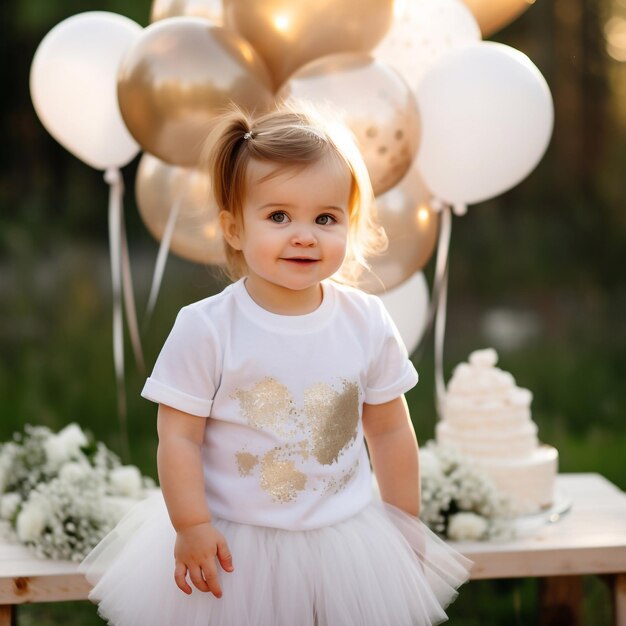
[{"x": 43, "y": 189}]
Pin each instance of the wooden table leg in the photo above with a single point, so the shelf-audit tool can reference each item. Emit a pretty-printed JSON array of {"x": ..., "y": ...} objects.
[
  {"x": 7, "y": 615},
  {"x": 560, "y": 601},
  {"x": 619, "y": 599}
]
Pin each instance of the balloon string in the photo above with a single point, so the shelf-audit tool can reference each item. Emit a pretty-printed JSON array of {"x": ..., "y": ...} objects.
[
  {"x": 440, "y": 300},
  {"x": 116, "y": 190},
  {"x": 441, "y": 264},
  {"x": 440, "y": 329},
  {"x": 129, "y": 302},
  {"x": 161, "y": 260}
]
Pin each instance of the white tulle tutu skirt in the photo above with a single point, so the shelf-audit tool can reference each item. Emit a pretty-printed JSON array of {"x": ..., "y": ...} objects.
[{"x": 381, "y": 567}]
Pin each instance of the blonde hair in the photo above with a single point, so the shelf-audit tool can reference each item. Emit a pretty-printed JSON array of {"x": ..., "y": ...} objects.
[{"x": 291, "y": 138}]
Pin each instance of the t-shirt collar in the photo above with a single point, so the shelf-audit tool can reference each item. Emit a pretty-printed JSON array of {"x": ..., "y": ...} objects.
[{"x": 286, "y": 323}]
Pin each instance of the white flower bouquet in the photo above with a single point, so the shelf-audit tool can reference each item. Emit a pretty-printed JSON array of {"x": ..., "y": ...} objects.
[
  {"x": 459, "y": 501},
  {"x": 60, "y": 493}
]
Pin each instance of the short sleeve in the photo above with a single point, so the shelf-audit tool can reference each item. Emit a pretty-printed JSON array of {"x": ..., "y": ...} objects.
[
  {"x": 186, "y": 374},
  {"x": 391, "y": 373}
]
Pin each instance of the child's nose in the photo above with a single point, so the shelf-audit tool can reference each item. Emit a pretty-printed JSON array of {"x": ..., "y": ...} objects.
[{"x": 303, "y": 237}]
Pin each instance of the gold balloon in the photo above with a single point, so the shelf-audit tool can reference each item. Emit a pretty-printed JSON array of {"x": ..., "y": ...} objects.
[
  {"x": 492, "y": 16},
  {"x": 290, "y": 33},
  {"x": 377, "y": 106},
  {"x": 411, "y": 226},
  {"x": 209, "y": 9},
  {"x": 178, "y": 77},
  {"x": 159, "y": 188}
]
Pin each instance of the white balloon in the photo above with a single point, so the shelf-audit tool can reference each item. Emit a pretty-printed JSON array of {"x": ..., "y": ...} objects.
[
  {"x": 408, "y": 306},
  {"x": 487, "y": 118},
  {"x": 73, "y": 85},
  {"x": 422, "y": 31}
]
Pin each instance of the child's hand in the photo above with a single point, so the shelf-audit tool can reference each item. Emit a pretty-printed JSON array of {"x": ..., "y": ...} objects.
[{"x": 195, "y": 552}]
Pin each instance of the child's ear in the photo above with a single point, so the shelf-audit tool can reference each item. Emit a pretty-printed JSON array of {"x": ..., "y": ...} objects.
[{"x": 230, "y": 229}]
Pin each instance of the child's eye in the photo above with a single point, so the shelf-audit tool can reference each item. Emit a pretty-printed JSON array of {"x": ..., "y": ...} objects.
[
  {"x": 280, "y": 217},
  {"x": 325, "y": 220}
]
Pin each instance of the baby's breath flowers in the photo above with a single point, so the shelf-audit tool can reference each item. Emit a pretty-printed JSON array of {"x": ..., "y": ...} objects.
[
  {"x": 60, "y": 493},
  {"x": 458, "y": 500}
]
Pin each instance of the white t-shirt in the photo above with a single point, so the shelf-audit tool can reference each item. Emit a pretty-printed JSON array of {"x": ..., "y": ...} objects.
[{"x": 283, "y": 445}]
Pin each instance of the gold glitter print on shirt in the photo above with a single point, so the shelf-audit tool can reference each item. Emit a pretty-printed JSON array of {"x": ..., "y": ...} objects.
[
  {"x": 335, "y": 485},
  {"x": 268, "y": 405},
  {"x": 246, "y": 462},
  {"x": 333, "y": 419},
  {"x": 280, "y": 478},
  {"x": 325, "y": 426}
]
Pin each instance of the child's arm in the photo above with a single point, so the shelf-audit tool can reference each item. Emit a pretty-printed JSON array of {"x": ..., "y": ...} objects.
[
  {"x": 394, "y": 453},
  {"x": 179, "y": 462}
]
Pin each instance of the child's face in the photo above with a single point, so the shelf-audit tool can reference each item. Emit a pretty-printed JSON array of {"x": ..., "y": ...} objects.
[{"x": 295, "y": 226}]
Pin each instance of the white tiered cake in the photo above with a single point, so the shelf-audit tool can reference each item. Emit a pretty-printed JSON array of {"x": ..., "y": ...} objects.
[{"x": 487, "y": 419}]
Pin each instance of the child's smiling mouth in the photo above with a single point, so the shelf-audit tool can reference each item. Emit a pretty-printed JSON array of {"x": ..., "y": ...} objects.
[{"x": 300, "y": 260}]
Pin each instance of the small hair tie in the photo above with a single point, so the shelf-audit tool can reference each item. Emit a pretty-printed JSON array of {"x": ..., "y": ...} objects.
[{"x": 247, "y": 135}]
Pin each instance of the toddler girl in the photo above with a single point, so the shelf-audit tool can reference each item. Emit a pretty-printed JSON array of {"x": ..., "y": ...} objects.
[{"x": 267, "y": 394}]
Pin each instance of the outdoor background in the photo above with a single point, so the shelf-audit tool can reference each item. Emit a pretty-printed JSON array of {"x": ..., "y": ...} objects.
[{"x": 536, "y": 273}]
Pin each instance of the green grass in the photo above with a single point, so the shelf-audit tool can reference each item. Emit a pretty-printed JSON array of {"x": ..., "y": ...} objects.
[{"x": 58, "y": 614}]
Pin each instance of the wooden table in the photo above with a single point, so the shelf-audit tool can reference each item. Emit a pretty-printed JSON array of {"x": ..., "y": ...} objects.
[{"x": 589, "y": 539}]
